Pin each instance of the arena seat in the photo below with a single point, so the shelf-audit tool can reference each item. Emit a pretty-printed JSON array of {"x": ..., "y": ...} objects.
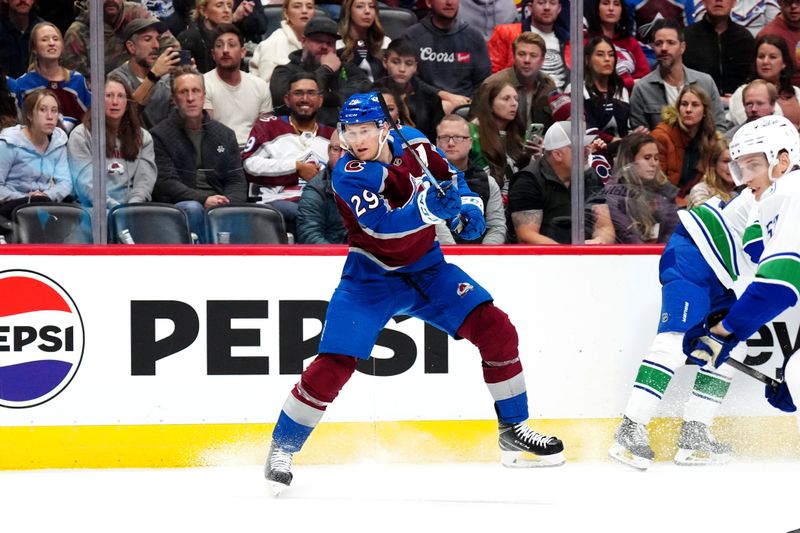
[
  {"x": 245, "y": 224},
  {"x": 149, "y": 223},
  {"x": 52, "y": 223},
  {"x": 395, "y": 20}
]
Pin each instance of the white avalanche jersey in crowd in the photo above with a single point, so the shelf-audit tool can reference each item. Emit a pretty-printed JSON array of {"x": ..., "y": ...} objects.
[
  {"x": 271, "y": 152},
  {"x": 777, "y": 283},
  {"x": 752, "y": 14},
  {"x": 727, "y": 235}
]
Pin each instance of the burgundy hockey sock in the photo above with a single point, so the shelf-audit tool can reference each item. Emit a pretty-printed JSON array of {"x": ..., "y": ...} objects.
[{"x": 490, "y": 329}]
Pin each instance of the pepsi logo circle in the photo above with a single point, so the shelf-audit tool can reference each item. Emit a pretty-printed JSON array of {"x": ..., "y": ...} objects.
[{"x": 41, "y": 339}]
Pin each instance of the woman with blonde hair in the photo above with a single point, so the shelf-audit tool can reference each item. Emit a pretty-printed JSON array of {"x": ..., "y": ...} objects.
[
  {"x": 640, "y": 197},
  {"x": 685, "y": 137},
  {"x": 717, "y": 181},
  {"x": 275, "y": 49},
  {"x": 45, "y": 71},
  {"x": 198, "y": 38},
  {"x": 33, "y": 155},
  {"x": 363, "y": 38}
]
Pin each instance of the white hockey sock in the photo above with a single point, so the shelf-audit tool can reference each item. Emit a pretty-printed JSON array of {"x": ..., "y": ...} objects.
[
  {"x": 654, "y": 376},
  {"x": 710, "y": 387}
]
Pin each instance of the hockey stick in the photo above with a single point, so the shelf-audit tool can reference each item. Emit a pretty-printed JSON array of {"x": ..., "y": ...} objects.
[
  {"x": 752, "y": 372},
  {"x": 388, "y": 116}
]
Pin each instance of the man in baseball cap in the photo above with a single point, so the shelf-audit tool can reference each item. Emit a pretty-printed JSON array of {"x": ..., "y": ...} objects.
[
  {"x": 558, "y": 136},
  {"x": 539, "y": 197},
  {"x": 337, "y": 80},
  {"x": 146, "y": 71}
]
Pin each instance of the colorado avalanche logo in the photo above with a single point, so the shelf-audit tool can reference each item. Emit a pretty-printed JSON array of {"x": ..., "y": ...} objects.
[
  {"x": 41, "y": 339},
  {"x": 115, "y": 168},
  {"x": 464, "y": 288}
]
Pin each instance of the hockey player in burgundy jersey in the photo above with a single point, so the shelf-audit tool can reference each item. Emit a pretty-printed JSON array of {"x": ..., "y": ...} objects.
[{"x": 395, "y": 266}]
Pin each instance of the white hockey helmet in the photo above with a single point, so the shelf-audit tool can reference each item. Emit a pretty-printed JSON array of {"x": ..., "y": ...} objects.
[{"x": 768, "y": 135}]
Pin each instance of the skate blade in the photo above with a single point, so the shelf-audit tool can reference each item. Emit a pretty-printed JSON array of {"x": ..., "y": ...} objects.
[
  {"x": 699, "y": 458},
  {"x": 276, "y": 488},
  {"x": 619, "y": 453},
  {"x": 512, "y": 459}
]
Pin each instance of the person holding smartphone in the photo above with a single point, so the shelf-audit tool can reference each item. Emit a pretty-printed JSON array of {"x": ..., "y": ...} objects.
[{"x": 147, "y": 70}]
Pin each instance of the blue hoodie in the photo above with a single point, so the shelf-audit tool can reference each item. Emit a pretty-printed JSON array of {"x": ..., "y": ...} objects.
[{"x": 23, "y": 169}]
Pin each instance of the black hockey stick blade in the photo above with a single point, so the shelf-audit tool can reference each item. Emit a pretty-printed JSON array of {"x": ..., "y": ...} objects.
[{"x": 752, "y": 372}]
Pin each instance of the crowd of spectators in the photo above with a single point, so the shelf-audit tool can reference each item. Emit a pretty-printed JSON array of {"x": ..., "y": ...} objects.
[{"x": 205, "y": 107}]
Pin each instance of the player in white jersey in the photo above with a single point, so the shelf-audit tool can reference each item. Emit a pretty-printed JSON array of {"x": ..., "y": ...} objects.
[
  {"x": 714, "y": 245},
  {"x": 777, "y": 281}
]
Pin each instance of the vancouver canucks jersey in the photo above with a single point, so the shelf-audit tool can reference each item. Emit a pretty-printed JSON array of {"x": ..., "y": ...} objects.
[
  {"x": 719, "y": 230},
  {"x": 777, "y": 279},
  {"x": 377, "y": 201}
]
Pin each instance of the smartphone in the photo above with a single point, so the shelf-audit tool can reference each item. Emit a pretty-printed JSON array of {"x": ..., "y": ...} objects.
[
  {"x": 534, "y": 130},
  {"x": 186, "y": 57}
]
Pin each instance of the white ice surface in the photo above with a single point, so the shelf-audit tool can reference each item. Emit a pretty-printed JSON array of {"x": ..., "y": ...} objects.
[{"x": 420, "y": 498}]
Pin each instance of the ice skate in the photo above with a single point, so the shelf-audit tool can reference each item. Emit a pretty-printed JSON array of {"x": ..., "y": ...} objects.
[
  {"x": 697, "y": 446},
  {"x": 522, "y": 447},
  {"x": 278, "y": 469},
  {"x": 631, "y": 445}
]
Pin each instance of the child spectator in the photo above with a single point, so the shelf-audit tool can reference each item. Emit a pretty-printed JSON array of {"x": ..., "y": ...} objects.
[{"x": 424, "y": 105}]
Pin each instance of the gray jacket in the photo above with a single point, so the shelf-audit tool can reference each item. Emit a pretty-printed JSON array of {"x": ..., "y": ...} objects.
[
  {"x": 649, "y": 98},
  {"x": 128, "y": 182}
]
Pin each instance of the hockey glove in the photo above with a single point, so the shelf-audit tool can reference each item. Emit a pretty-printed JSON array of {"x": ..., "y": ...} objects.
[
  {"x": 703, "y": 347},
  {"x": 471, "y": 222},
  {"x": 780, "y": 398},
  {"x": 435, "y": 206}
]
